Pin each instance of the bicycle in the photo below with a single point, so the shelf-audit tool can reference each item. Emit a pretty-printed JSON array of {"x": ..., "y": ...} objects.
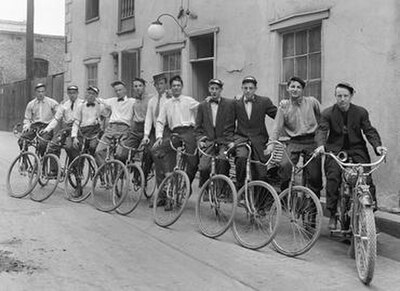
[
  {"x": 301, "y": 214},
  {"x": 110, "y": 185},
  {"x": 356, "y": 213},
  {"x": 79, "y": 172},
  {"x": 258, "y": 213},
  {"x": 136, "y": 176},
  {"x": 217, "y": 201},
  {"x": 171, "y": 197},
  {"x": 24, "y": 171}
]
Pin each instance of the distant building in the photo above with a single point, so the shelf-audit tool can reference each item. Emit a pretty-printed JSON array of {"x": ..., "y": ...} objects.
[{"x": 48, "y": 52}]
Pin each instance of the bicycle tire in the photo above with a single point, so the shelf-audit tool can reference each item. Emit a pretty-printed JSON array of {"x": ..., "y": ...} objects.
[
  {"x": 343, "y": 208},
  {"x": 171, "y": 198},
  {"x": 151, "y": 183},
  {"x": 48, "y": 180},
  {"x": 302, "y": 219},
  {"x": 256, "y": 222},
  {"x": 136, "y": 188},
  {"x": 78, "y": 178},
  {"x": 103, "y": 194},
  {"x": 365, "y": 243},
  {"x": 216, "y": 206},
  {"x": 18, "y": 164}
]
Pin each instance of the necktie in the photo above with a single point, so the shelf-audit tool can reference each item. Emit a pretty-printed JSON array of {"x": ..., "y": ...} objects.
[
  {"x": 216, "y": 101},
  {"x": 89, "y": 104},
  {"x": 72, "y": 105},
  {"x": 120, "y": 99},
  {"x": 247, "y": 100},
  {"x": 158, "y": 107}
]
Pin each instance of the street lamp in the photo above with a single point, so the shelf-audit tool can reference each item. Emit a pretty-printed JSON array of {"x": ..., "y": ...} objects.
[{"x": 156, "y": 30}]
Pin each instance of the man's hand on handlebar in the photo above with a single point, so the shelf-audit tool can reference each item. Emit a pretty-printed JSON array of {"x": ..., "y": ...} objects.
[
  {"x": 158, "y": 142},
  {"x": 269, "y": 149},
  {"x": 381, "y": 150},
  {"x": 319, "y": 150}
]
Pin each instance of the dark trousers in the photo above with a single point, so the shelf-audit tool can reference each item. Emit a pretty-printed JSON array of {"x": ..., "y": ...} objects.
[
  {"x": 334, "y": 177},
  {"x": 112, "y": 130},
  {"x": 222, "y": 165},
  {"x": 163, "y": 157},
  {"x": 89, "y": 131},
  {"x": 62, "y": 138},
  {"x": 312, "y": 171},
  {"x": 31, "y": 134}
]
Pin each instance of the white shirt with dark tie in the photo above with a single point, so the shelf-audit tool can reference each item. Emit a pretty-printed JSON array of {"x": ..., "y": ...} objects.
[
  {"x": 121, "y": 111},
  {"x": 40, "y": 111},
  {"x": 64, "y": 113}
]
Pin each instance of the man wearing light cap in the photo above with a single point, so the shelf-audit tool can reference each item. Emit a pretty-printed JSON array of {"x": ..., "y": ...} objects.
[
  {"x": 341, "y": 128},
  {"x": 215, "y": 124},
  {"x": 250, "y": 113},
  {"x": 64, "y": 116},
  {"x": 38, "y": 114}
]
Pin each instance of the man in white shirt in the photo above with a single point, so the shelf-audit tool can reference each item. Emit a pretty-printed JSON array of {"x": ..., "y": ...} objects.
[
  {"x": 38, "y": 113},
  {"x": 120, "y": 120},
  {"x": 64, "y": 115},
  {"x": 179, "y": 112}
]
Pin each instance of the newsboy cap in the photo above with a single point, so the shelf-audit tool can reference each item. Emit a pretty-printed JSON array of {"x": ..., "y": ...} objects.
[
  {"x": 115, "y": 83},
  {"x": 347, "y": 86},
  {"x": 249, "y": 79},
  {"x": 39, "y": 85},
  {"x": 72, "y": 87},
  {"x": 216, "y": 82},
  {"x": 94, "y": 89},
  {"x": 159, "y": 77}
]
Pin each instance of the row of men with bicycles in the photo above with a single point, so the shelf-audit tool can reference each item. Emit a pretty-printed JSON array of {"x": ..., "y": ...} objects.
[{"x": 151, "y": 119}]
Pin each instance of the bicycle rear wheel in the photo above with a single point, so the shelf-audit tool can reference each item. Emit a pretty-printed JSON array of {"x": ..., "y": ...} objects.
[
  {"x": 78, "y": 178},
  {"x": 216, "y": 206},
  {"x": 171, "y": 198},
  {"x": 257, "y": 215},
  {"x": 109, "y": 187},
  {"x": 365, "y": 243},
  {"x": 23, "y": 175},
  {"x": 50, "y": 174},
  {"x": 136, "y": 188},
  {"x": 151, "y": 183},
  {"x": 301, "y": 221}
]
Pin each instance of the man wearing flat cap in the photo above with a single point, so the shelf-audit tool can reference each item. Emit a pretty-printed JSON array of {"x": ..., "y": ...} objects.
[
  {"x": 250, "y": 112},
  {"x": 215, "y": 125},
  {"x": 298, "y": 119},
  {"x": 65, "y": 117},
  {"x": 341, "y": 128},
  {"x": 38, "y": 114}
]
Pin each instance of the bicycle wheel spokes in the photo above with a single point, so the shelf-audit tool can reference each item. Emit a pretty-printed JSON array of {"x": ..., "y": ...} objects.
[
  {"x": 301, "y": 221},
  {"x": 216, "y": 206},
  {"x": 78, "y": 178},
  {"x": 135, "y": 181},
  {"x": 50, "y": 173},
  {"x": 108, "y": 188},
  {"x": 151, "y": 183},
  {"x": 256, "y": 219},
  {"x": 171, "y": 198},
  {"x": 365, "y": 243},
  {"x": 23, "y": 175}
]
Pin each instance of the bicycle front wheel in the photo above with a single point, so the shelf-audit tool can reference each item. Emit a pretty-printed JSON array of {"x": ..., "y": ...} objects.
[
  {"x": 151, "y": 183},
  {"x": 216, "y": 206},
  {"x": 78, "y": 178},
  {"x": 136, "y": 188},
  {"x": 109, "y": 187},
  {"x": 171, "y": 198},
  {"x": 23, "y": 175},
  {"x": 257, "y": 215},
  {"x": 50, "y": 175},
  {"x": 365, "y": 243},
  {"x": 301, "y": 221}
]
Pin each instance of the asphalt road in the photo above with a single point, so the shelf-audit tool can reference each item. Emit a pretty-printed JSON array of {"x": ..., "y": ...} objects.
[{"x": 59, "y": 245}]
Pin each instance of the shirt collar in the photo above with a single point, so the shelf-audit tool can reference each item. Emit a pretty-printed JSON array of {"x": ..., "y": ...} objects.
[
  {"x": 176, "y": 99},
  {"x": 297, "y": 101}
]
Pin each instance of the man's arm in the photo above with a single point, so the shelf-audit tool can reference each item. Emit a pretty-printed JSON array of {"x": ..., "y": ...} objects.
[
  {"x": 370, "y": 132},
  {"x": 270, "y": 108},
  {"x": 57, "y": 118},
  {"x": 278, "y": 124},
  {"x": 321, "y": 134},
  {"x": 77, "y": 121},
  {"x": 28, "y": 116},
  {"x": 148, "y": 122},
  {"x": 161, "y": 121}
]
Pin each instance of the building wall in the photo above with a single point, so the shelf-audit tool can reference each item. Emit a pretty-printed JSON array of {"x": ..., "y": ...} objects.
[
  {"x": 13, "y": 52},
  {"x": 360, "y": 44}
]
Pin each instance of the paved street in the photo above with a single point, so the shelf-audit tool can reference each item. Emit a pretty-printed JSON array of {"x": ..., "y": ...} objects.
[{"x": 59, "y": 245}]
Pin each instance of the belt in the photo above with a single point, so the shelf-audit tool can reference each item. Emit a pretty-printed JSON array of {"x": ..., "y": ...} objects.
[
  {"x": 119, "y": 123},
  {"x": 182, "y": 127}
]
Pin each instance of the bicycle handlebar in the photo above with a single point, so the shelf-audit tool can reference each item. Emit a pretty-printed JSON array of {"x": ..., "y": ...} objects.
[
  {"x": 114, "y": 139},
  {"x": 139, "y": 149},
  {"x": 175, "y": 135}
]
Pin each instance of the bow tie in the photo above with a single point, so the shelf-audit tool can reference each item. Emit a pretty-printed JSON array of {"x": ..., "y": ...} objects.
[
  {"x": 216, "y": 101},
  {"x": 121, "y": 99},
  {"x": 247, "y": 100},
  {"x": 90, "y": 104}
]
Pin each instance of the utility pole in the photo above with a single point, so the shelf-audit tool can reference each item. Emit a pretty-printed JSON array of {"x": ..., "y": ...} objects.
[{"x": 29, "y": 48}]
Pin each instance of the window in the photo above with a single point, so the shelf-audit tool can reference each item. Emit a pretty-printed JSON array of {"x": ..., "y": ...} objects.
[
  {"x": 92, "y": 10},
  {"x": 41, "y": 68},
  {"x": 130, "y": 68},
  {"x": 126, "y": 16},
  {"x": 301, "y": 56},
  {"x": 171, "y": 63},
  {"x": 91, "y": 70}
]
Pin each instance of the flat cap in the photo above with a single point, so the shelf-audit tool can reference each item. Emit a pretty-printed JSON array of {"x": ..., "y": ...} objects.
[
  {"x": 249, "y": 79},
  {"x": 346, "y": 85},
  {"x": 39, "y": 85},
  {"x": 72, "y": 87},
  {"x": 94, "y": 89},
  {"x": 216, "y": 82}
]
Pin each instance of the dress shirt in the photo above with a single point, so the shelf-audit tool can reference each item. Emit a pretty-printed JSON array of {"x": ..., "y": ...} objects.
[
  {"x": 40, "y": 111},
  {"x": 298, "y": 118},
  {"x": 214, "y": 109},
  {"x": 121, "y": 111},
  {"x": 64, "y": 113},
  {"x": 151, "y": 114},
  {"x": 176, "y": 112},
  {"x": 140, "y": 108},
  {"x": 86, "y": 116},
  {"x": 249, "y": 107}
]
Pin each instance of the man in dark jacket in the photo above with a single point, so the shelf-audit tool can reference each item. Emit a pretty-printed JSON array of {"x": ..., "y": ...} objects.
[
  {"x": 215, "y": 123},
  {"x": 341, "y": 128},
  {"x": 250, "y": 112}
]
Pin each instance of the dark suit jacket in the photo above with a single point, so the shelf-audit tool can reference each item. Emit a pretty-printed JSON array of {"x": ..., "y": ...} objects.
[
  {"x": 254, "y": 129},
  {"x": 330, "y": 131},
  {"x": 225, "y": 122}
]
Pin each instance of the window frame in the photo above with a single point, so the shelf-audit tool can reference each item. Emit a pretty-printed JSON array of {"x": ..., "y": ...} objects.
[
  {"x": 89, "y": 80},
  {"x": 89, "y": 6},
  {"x": 127, "y": 18},
  {"x": 168, "y": 72}
]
